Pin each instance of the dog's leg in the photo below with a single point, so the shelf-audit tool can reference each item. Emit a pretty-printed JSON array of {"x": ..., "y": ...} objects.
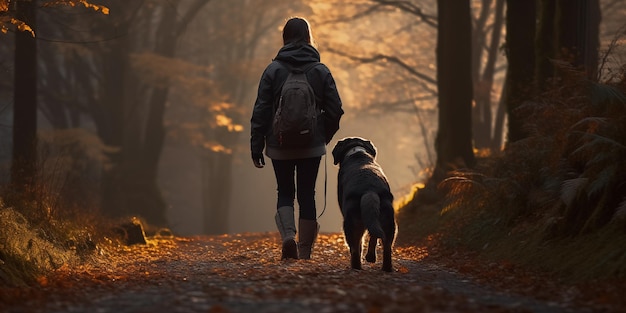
[
  {"x": 389, "y": 225},
  {"x": 371, "y": 249},
  {"x": 387, "y": 248},
  {"x": 354, "y": 234}
]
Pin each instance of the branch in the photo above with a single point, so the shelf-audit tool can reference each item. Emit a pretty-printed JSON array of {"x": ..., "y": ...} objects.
[
  {"x": 370, "y": 10},
  {"x": 404, "y": 105},
  {"x": 189, "y": 16},
  {"x": 386, "y": 58},
  {"x": 411, "y": 8},
  {"x": 405, "y": 6}
]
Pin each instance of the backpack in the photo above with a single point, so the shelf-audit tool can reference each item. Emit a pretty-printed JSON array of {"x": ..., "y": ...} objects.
[{"x": 295, "y": 118}]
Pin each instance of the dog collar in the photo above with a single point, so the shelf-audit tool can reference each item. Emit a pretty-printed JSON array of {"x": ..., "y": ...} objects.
[{"x": 353, "y": 151}]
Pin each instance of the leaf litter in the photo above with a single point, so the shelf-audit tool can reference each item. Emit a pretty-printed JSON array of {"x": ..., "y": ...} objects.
[{"x": 244, "y": 273}]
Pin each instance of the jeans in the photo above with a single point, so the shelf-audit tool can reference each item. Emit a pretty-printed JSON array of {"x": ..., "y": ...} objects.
[{"x": 305, "y": 173}]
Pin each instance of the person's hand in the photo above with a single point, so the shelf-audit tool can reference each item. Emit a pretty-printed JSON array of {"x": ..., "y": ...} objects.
[{"x": 258, "y": 159}]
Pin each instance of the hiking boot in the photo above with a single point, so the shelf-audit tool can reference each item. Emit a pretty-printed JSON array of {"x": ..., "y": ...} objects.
[{"x": 285, "y": 221}]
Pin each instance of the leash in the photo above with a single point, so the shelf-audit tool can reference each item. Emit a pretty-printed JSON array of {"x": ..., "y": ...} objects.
[{"x": 325, "y": 183}]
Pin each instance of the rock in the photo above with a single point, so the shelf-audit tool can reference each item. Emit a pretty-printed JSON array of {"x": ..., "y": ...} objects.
[{"x": 132, "y": 232}]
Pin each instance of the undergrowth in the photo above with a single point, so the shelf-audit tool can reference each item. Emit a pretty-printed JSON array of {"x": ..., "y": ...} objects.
[
  {"x": 555, "y": 201},
  {"x": 52, "y": 222}
]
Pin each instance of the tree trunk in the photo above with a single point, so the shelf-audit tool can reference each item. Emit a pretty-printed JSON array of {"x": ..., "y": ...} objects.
[
  {"x": 482, "y": 113},
  {"x": 23, "y": 167},
  {"x": 454, "y": 82},
  {"x": 498, "y": 128},
  {"x": 109, "y": 116},
  {"x": 520, "y": 36},
  {"x": 144, "y": 144},
  {"x": 216, "y": 184},
  {"x": 591, "y": 35},
  {"x": 545, "y": 49},
  {"x": 578, "y": 23}
]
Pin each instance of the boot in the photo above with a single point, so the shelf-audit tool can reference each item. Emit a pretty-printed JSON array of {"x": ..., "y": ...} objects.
[
  {"x": 285, "y": 221},
  {"x": 307, "y": 234}
]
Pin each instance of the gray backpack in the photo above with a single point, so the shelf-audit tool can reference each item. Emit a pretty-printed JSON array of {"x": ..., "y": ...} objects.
[{"x": 295, "y": 118}]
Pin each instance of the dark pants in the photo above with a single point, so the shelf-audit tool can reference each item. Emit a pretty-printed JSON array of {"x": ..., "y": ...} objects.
[{"x": 305, "y": 173}]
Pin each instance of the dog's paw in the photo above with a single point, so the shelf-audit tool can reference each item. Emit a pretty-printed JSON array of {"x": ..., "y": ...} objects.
[{"x": 370, "y": 257}]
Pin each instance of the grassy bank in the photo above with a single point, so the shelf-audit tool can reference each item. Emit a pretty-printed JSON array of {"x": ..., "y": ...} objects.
[
  {"x": 554, "y": 201},
  {"x": 599, "y": 255}
]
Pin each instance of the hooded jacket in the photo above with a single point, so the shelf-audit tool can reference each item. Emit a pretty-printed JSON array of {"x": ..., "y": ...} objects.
[{"x": 326, "y": 97}]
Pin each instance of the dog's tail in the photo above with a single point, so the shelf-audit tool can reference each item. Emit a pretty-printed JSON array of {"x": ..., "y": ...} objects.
[{"x": 370, "y": 210}]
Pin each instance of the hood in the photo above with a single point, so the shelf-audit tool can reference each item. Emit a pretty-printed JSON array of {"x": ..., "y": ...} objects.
[{"x": 298, "y": 54}]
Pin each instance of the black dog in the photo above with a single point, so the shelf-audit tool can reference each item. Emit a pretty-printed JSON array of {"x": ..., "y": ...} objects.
[{"x": 365, "y": 200}]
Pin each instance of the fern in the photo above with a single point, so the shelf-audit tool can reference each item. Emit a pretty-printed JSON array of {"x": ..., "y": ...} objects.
[
  {"x": 597, "y": 140},
  {"x": 602, "y": 94},
  {"x": 599, "y": 151},
  {"x": 458, "y": 190},
  {"x": 598, "y": 216},
  {"x": 571, "y": 188},
  {"x": 620, "y": 211},
  {"x": 590, "y": 121},
  {"x": 602, "y": 181}
]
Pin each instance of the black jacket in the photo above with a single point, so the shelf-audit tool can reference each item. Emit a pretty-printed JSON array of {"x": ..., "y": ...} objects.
[{"x": 326, "y": 96}]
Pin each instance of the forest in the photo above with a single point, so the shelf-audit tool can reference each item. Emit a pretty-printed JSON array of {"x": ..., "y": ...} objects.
[{"x": 501, "y": 124}]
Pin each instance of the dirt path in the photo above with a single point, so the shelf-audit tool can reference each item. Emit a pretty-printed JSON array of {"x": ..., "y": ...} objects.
[{"x": 243, "y": 273}]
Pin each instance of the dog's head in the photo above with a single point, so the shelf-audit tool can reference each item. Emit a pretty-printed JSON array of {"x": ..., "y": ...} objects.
[{"x": 344, "y": 145}]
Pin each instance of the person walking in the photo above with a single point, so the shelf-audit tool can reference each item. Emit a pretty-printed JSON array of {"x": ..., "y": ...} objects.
[{"x": 295, "y": 168}]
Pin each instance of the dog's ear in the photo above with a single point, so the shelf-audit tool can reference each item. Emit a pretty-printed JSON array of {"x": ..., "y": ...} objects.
[
  {"x": 338, "y": 151},
  {"x": 369, "y": 146}
]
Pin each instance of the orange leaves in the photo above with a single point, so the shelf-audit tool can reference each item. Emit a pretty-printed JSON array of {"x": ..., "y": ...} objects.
[
  {"x": 42, "y": 281},
  {"x": 6, "y": 20},
  {"x": 220, "y": 110},
  {"x": 161, "y": 71},
  {"x": 4, "y": 7},
  {"x": 413, "y": 253},
  {"x": 197, "y": 106},
  {"x": 72, "y": 3},
  {"x": 216, "y": 147},
  {"x": 21, "y": 26},
  {"x": 225, "y": 121}
]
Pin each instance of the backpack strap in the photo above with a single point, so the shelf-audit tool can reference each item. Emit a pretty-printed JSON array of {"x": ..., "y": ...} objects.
[{"x": 305, "y": 68}]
